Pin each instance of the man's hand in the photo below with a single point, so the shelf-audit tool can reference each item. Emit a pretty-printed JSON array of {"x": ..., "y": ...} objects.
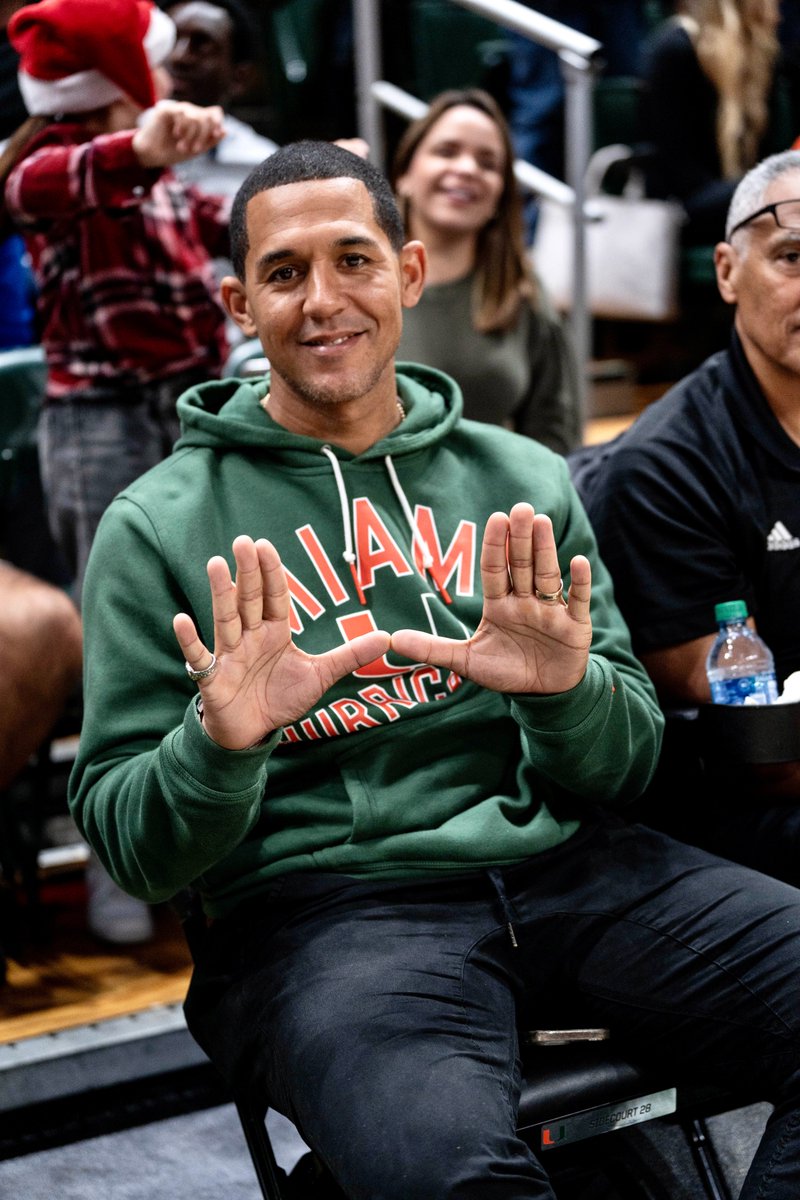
[
  {"x": 262, "y": 680},
  {"x": 355, "y": 145},
  {"x": 174, "y": 131},
  {"x": 523, "y": 644}
]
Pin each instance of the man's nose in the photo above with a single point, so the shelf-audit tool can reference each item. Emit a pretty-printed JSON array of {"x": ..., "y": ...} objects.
[{"x": 323, "y": 294}]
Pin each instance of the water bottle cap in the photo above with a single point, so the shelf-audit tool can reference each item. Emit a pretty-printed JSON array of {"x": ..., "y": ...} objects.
[{"x": 731, "y": 610}]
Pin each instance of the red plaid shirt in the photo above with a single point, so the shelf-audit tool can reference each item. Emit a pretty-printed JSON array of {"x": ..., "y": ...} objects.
[{"x": 123, "y": 262}]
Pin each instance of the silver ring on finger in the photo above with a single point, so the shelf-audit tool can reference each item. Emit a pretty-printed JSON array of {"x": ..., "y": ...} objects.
[
  {"x": 556, "y": 597},
  {"x": 206, "y": 671}
]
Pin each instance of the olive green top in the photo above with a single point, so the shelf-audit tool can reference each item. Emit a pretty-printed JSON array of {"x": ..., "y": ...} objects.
[{"x": 525, "y": 379}]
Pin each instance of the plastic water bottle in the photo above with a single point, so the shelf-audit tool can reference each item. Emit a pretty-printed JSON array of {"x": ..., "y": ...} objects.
[{"x": 740, "y": 666}]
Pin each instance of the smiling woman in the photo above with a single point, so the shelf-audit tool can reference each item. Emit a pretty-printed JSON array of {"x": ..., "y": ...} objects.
[{"x": 484, "y": 317}]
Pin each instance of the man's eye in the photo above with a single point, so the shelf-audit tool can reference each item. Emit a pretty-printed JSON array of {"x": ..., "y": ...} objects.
[
  {"x": 354, "y": 260},
  {"x": 282, "y": 275}
]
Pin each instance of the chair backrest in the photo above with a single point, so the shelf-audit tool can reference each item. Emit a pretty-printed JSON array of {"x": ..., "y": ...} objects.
[
  {"x": 22, "y": 381},
  {"x": 455, "y": 48},
  {"x": 616, "y": 104},
  {"x": 245, "y": 360}
]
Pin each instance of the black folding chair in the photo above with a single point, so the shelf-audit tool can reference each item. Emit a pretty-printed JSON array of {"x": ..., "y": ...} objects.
[{"x": 577, "y": 1087}]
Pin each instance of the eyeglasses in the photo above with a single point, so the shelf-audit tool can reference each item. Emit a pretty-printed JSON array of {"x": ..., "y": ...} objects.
[{"x": 785, "y": 212}]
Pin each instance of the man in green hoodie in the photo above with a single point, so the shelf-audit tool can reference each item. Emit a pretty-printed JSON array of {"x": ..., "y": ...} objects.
[{"x": 390, "y": 763}]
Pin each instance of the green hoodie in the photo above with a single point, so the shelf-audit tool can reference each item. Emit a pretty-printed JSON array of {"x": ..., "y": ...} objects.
[{"x": 401, "y": 770}]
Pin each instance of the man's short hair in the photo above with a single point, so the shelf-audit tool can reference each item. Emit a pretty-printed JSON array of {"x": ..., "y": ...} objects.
[
  {"x": 301, "y": 162},
  {"x": 749, "y": 194}
]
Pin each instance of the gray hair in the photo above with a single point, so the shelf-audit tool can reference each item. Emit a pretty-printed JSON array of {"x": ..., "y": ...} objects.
[{"x": 749, "y": 194}]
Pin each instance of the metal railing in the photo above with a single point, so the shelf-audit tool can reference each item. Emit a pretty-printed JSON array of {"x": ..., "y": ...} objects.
[{"x": 579, "y": 55}]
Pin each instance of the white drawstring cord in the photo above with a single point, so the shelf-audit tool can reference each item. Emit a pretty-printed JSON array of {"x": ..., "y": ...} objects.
[
  {"x": 416, "y": 536},
  {"x": 344, "y": 505}
]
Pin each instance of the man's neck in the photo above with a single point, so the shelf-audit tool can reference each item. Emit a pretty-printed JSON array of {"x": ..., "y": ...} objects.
[
  {"x": 780, "y": 386},
  {"x": 352, "y": 425},
  {"x": 787, "y": 412}
]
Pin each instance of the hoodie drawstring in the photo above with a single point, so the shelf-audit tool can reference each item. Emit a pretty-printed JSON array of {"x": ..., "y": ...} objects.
[
  {"x": 344, "y": 505},
  {"x": 499, "y": 886},
  {"x": 416, "y": 537}
]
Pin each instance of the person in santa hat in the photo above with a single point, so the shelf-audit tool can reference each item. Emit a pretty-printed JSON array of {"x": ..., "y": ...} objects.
[{"x": 122, "y": 256}]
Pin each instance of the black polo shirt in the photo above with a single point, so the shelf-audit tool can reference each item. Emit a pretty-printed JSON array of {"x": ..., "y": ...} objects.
[{"x": 699, "y": 502}]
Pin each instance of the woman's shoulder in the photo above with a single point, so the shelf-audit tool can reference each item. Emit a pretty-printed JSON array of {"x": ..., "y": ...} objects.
[{"x": 669, "y": 43}]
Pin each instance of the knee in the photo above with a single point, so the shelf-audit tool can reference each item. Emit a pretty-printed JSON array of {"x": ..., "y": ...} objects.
[
  {"x": 42, "y": 627},
  {"x": 64, "y": 630},
  {"x": 425, "y": 1164},
  {"x": 40, "y": 630}
]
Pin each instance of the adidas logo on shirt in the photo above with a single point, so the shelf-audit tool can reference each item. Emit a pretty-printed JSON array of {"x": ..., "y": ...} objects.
[{"x": 779, "y": 538}]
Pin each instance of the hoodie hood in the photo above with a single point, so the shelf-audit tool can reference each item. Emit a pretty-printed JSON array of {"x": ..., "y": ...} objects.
[{"x": 227, "y": 413}]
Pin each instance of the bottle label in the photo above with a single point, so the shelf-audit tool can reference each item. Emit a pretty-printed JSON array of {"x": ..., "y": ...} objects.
[{"x": 750, "y": 689}]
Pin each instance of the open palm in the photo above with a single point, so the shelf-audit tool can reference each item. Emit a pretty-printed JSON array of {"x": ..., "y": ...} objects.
[
  {"x": 262, "y": 679},
  {"x": 522, "y": 644}
]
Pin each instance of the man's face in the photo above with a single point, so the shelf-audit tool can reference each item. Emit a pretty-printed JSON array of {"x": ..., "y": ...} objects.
[
  {"x": 760, "y": 273},
  {"x": 324, "y": 291},
  {"x": 201, "y": 64}
]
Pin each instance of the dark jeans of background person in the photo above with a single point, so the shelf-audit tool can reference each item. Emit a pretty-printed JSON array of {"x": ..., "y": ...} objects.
[
  {"x": 91, "y": 449},
  {"x": 381, "y": 1017},
  {"x": 536, "y": 85}
]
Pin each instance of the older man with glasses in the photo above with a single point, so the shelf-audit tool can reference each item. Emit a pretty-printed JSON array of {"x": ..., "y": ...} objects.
[{"x": 699, "y": 502}]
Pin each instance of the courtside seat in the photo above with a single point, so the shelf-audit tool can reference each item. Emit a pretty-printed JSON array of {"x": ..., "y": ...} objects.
[
  {"x": 571, "y": 1095},
  {"x": 577, "y": 1085}
]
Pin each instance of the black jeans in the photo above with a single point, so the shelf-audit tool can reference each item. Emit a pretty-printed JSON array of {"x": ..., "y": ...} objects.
[{"x": 382, "y": 1017}]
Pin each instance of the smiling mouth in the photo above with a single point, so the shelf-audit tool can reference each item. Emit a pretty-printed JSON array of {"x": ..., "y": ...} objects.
[
  {"x": 461, "y": 195},
  {"x": 330, "y": 343}
]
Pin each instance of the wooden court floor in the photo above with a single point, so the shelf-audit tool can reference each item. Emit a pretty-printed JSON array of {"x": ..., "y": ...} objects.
[{"x": 62, "y": 976}]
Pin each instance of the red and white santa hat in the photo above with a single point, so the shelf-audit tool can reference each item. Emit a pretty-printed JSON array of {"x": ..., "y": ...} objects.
[{"x": 77, "y": 55}]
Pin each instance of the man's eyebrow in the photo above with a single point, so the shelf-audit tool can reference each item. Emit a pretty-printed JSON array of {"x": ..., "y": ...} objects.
[
  {"x": 277, "y": 256},
  {"x": 274, "y": 256},
  {"x": 782, "y": 237},
  {"x": 357, "y": 240}
]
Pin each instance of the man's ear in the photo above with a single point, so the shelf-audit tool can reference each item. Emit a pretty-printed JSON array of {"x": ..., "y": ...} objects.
[
  {"x": 413, "y": 269},
  {"x": 234, "y": 298},
  {"x": 726, "y": 265}
]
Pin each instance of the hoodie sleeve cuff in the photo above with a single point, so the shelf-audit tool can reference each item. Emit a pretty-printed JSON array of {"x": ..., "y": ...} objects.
[
  {"x": 220, "y": 770},
  {"x": 562, "y": 712}
]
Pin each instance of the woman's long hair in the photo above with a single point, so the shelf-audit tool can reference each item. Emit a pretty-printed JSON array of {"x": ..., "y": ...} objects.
[
  {"x": 13, "y": 151},
  {"x": 736, "y": 44},
  {"x": 503, "y": 277}
]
